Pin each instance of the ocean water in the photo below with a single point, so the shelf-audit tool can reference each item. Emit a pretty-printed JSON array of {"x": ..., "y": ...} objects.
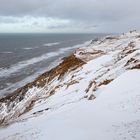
[{"x": 25, "y": 56}]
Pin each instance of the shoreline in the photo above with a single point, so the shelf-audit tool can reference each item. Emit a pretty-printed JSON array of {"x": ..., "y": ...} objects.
[
  {"x": 41, "y": 77},
  {"x": 31, "y": 78}
]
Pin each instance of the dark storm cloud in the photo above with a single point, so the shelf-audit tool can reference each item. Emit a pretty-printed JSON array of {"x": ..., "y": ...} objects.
[{"x": 90, "y": 12}]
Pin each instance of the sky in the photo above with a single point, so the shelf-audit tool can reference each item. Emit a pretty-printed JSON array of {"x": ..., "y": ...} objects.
[{"x": 69, "y": 16}]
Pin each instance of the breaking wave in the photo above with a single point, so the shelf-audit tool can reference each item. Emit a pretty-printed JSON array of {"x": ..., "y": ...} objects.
[
  {"x": 6, "y": 72},
  {"x": 6, "y": 52},
  {"x": 51, "y": 44},
  {"x": 30, "y": 48}
]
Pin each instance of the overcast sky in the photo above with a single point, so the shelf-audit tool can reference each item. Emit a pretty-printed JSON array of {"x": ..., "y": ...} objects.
[{"x": 69, "y": 15}]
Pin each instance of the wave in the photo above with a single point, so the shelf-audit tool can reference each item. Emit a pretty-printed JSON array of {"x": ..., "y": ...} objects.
[
  {"x": 6, "y": 72},
  {"x": 12, "y": 86},
  {"x": 27, "y": 48},
  {"x": 76, "y": 46},
  {"x": 51, "y": 44},
  {"x": 30, "y": 48},
  {"x": 6, "y": 52}
]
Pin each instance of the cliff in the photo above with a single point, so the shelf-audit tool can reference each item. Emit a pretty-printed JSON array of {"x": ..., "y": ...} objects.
[{"x": 92, "y": 94}]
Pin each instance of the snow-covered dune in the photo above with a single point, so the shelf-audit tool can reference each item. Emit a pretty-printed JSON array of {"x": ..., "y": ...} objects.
[{"x": 93, "y": 94}]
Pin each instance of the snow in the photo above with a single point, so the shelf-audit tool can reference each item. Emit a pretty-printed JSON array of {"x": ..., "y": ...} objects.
[
  {"x": 113, "y": 115},
  {"x": 68, "y": 114}
]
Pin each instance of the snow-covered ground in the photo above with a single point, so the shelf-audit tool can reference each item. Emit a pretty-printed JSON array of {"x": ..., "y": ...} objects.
[{"x": 97, "y": 100}]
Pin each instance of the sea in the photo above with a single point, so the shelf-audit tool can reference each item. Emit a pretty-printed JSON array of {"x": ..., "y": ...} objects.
[{"x": 23, "y": 57}]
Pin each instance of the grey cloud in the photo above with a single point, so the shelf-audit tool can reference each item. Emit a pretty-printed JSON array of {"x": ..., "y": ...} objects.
[
  {"x": 8, "y": 20},
  {"x": 88, "y": 12},
  {"x": 57, "y": 26},
  {"x": 72, "y": 9}
]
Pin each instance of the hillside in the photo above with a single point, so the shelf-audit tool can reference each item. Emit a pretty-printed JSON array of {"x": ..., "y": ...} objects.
[{"x": 92, "y": 94}]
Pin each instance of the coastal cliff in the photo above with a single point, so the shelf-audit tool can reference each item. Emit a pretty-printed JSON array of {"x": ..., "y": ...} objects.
[{"x": 94, "y": 90}]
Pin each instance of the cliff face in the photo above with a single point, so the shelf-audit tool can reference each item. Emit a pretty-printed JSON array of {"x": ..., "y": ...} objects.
[
  {"x": 23, "y": 99},
  {"x": 79, "y": 85}
]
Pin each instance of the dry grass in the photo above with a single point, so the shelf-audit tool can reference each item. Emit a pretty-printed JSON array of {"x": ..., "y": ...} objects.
[
  {"x": 72, "y": 83},
  {"x": 105, "y": 82},
  {"x": 126, "y": 51},
  {"x": 29, "y": 107},
  {"x": 90, "y": 86},
  {"x": 131, "y": 61},
  {"x": 136, "y": 67},
  {"x": 94, "y": 85},
  {"x": 69, "y": 63}
]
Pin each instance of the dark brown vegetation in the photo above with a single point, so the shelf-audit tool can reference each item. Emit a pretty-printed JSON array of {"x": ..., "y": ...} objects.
[
  {"x": 136, "y": 66},
  {"x": 131, "y": 61},
  {"x": 105, "y": 82},
  {"x": 94, "y": 85},
  {"x": 126, "y": 51},
  {"x": 72, "y": 83}
]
